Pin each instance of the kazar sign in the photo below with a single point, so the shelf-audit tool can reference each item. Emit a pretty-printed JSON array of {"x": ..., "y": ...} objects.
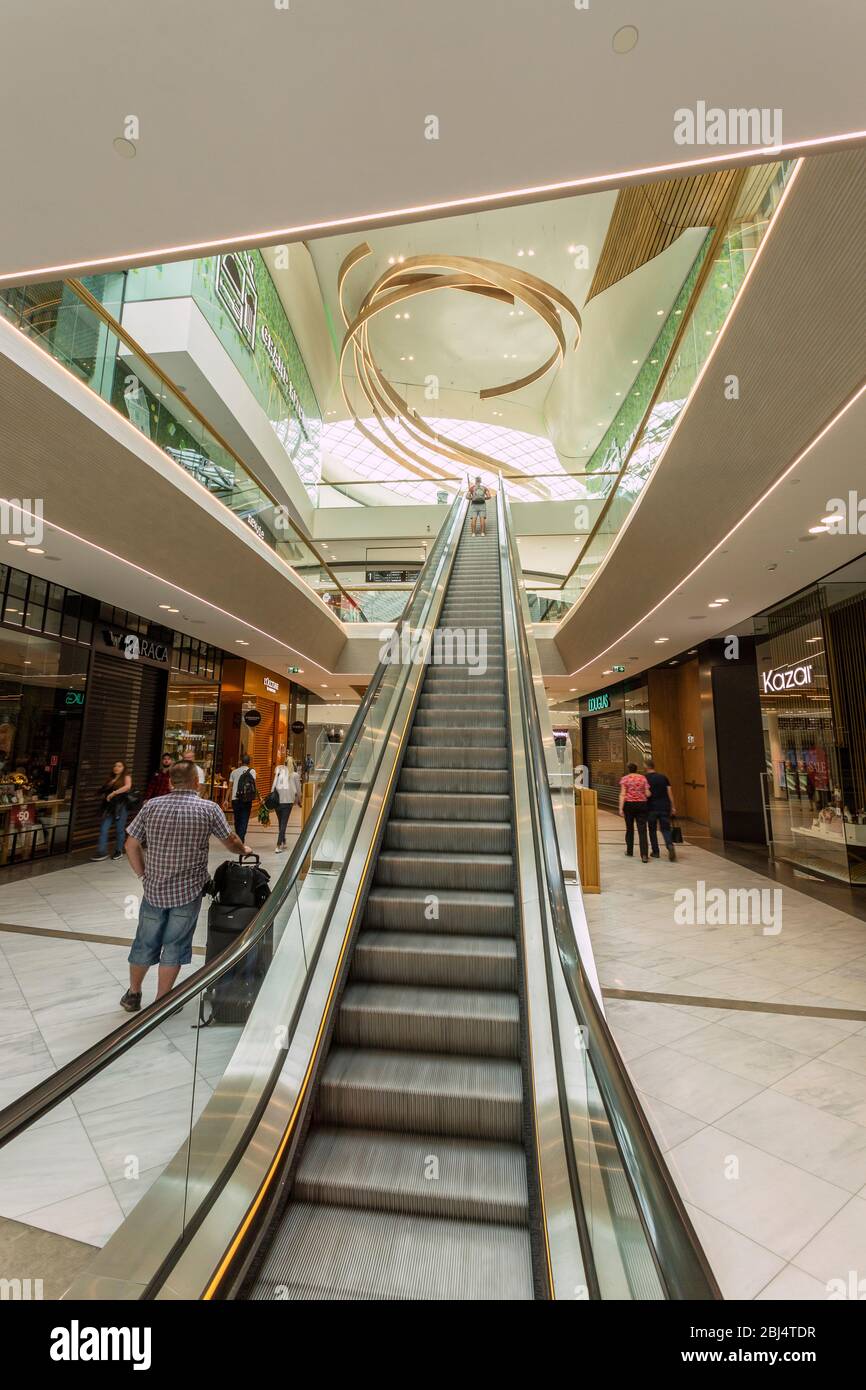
[{"x": 791, "y": 679}]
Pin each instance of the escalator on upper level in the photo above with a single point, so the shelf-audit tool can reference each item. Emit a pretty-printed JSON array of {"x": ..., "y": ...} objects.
[{"x": 425, "y": 1101}]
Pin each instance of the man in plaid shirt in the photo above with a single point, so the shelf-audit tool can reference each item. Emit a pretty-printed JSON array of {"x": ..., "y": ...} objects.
[{"x": 167, "y": 846}]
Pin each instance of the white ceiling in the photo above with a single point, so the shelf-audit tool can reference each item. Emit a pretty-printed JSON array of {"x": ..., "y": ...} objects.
[
  {"x": 262, "y": 122},
  {"x": 469, "y": 342}
]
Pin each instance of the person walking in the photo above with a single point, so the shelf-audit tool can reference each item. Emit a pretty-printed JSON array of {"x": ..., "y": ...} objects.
[
  {"x": 633, "y": 798},
  {"x": 243, "y": 792},
  {"x": 160, "y": 782},
  {"x": 287, "y": 786},
  {"x": 115, "y": 809},
  {"x": 478, "y": 495},
  {"x": 660, "y": 808},
  {"x": 167, "y": 847}
]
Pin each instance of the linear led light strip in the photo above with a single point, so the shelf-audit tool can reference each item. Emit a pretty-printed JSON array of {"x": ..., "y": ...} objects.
[
  {"x": 716, "y": 347},
  {"x": 861, "y": 390},
  {"x": 478, "y": 200},
  {"x": 176, "y": 588}
]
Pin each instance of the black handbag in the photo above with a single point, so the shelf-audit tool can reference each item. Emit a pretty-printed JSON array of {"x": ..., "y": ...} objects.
[
  {"x": 676, "y": 831},
  {"x": 272, "y": 801}
]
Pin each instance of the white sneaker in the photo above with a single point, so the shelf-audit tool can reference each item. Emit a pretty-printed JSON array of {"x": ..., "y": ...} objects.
[{"x": 280, "y": 849}]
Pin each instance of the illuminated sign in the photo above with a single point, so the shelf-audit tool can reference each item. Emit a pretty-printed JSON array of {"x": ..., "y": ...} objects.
[
  {"x": 271, "y": 685},
  {"x": 793, "y": 678},
  {"x": 281, "y": 371},
  {"x": 597, "y": 702}
]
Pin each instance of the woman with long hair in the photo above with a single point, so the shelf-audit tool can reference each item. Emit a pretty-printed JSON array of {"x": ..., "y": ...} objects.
[
  {"x": 115, "y": 808},
  {"x": 286, "y": 785}
]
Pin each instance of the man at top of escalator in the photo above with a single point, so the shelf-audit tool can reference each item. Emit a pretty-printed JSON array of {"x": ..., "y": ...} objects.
[
  {"x": 478, "y": 495},
  {"x": 167, "y": 846}
]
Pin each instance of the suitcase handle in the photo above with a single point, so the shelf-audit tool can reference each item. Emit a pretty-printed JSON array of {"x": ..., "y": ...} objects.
[{"x": 254, "y": 857}]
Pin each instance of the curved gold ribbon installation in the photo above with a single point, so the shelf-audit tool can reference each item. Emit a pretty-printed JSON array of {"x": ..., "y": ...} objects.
[{"x": 421, "y": 275}]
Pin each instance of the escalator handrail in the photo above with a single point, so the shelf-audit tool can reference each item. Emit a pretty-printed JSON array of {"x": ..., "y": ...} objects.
[
  {"x": 30, "y": 1107},
  {"x": 682, "y": 1265}
]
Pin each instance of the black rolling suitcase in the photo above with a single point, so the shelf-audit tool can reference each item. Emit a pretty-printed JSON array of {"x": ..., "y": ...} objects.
[{"x": 240, "y": 889}]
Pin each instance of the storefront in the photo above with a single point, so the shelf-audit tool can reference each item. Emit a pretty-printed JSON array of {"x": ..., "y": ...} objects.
[
  {"x": 811, "y": 666},
  {"x": 44, "y": 654},
  {"x": 192, "y": 706},
  {"x": 82, "y": 686},
  {"x": 258, "y": 710},
  {"x": 614, "y": 732}
]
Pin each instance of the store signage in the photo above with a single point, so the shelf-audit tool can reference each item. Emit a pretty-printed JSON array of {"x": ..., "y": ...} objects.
[
  {"x": 252, "y": 717},
  {"x": 282, "y": 373},
  {"x": 298, "y": 726},
  {"x": 793, "y": 678},
  {"x": 135, "y": 648},
  {"x": 271, "y": 685},
  {"x": 75, "y": 697},
  {"x": 597, "y": 702}
]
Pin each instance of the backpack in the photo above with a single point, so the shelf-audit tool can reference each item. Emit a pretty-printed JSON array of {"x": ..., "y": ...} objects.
[
  {"x": 246, "y": 788},
  {"x": 479, "y": 493}
]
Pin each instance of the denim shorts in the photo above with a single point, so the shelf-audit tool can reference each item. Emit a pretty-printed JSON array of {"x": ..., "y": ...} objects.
[{"x": 164, "y": 934}]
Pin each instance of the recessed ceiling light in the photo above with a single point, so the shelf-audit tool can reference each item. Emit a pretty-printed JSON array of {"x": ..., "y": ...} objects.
[
  {"x": 714, "y": 605},
  {"x": 722, "y": 600},
  {"x": 654, "y": 361},
  {"x": 17, "y": 542},
  {"x": 324, "y": 687},
  {"x": 634, "y": 361},
  {"x": 34, "y": 550},
  {"x": 619, "y": 393},
  {"x": 174, "y": 610},
  {"x": 659, "y": 312},
  {"x": 625, "y": 39},
  {"x": 520, "y": 253},
  {"x": 165, "y": 605},
  {"x": 241, "y": 643},
  {"x": 125, "y": 148},
  {"x": 814, "y": 639},
  {"x": 661, "y": 639},
  {"x": 692, "y": 651},
  {"x": 816, "y": 530}
]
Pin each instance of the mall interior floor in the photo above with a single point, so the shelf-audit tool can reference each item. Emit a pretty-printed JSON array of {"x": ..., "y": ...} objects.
[{"x": 748, "y": 1049}]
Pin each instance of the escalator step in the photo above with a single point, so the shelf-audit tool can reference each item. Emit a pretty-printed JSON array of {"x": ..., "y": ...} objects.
[
  {"x": 469, "y": 781},
  {"x": 431, "y": 805},
  {"x": 456, "y": 913},
  {"x": 428, "y": 958},
  {"x": 458, "y": 735},
  {"x": 417, "y": 756},
  {"x": 443, "y": 718},
  {"x": 475, "y": 1097},
  {"x": 483, "y": 872},
  {"x": 341, "y": 1253},
  {"x": 482, "y": 837},
  {"x": 478, "y": 1023},
  {"x": 417, "y": 1175}
]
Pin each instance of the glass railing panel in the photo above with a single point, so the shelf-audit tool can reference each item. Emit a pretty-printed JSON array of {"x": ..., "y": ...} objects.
[{"x": 74, "y": 334}]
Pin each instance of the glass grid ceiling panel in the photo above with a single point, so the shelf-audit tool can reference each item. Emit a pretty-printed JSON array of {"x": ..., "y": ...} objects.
[{"x": 518, "y": 451}]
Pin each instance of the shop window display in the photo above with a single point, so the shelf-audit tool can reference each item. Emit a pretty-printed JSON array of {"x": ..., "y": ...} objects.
[{"x": 42, "y": 700}]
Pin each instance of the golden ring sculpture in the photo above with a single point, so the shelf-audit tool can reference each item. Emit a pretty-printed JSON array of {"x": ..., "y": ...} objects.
[{"x": 406, "y": 280}]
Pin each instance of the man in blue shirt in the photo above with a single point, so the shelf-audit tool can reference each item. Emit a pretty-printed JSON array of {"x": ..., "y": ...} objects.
[{"x": 660, "y": 807}]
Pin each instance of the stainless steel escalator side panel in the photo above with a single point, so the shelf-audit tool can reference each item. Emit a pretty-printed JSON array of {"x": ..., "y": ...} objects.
[{"x": 566, "y": 1270}]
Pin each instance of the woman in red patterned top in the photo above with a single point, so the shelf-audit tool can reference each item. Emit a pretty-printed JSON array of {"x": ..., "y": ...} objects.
[{"x": 634, "y": 792}]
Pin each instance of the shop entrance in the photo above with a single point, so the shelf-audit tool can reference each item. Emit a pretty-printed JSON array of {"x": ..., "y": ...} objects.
[{"x": 604, "y": 751}]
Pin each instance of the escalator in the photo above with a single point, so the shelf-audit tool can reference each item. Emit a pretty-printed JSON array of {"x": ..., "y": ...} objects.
[
  {"x": 425, "y": 1101},
  {"x": 413, "y": 1179}
]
